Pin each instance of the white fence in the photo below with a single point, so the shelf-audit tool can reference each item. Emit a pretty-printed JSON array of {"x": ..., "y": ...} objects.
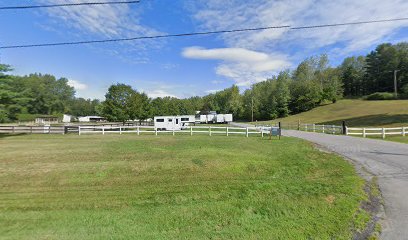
[
  {"x": 321, "y": 128},
  {"x": 208, "y": 130},
  {"x": 33, "y": 129},
  {"x": 383, "y": 132},
  {"x": 330, "y": 129}
]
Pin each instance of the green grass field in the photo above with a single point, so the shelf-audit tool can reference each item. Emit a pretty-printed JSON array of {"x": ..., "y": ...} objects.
[
  {"x": 183, "y": 187},
  {"x": 356, "y": 113}
]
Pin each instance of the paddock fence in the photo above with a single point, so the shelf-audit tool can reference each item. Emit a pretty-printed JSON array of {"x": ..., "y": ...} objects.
[
  {"x": 33, "y": 129},
  {"x": 344, "y": 130},
  {"x": 308, "y": 127},
  {"x": 383, "y": 132},
  {"x": 190, "y": 130}
]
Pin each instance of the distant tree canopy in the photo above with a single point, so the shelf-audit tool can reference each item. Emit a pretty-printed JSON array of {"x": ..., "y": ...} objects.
[
  {"x": 311, "y": 83},
  {"x": 364, "y": 75},
  {"x": 122, "y": 103},
  {"x": 38, "y": 94}
]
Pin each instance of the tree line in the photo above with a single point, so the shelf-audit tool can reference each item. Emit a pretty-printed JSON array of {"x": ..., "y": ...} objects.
[
  {"x": 310, "y": 84},
  {"x": 24, "y": 97}
]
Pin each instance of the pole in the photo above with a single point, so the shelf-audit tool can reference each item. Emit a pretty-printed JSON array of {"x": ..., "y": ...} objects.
[
  {"x": 395, "y": 83},
  {"x": 252, "y": 106},
  {"x": 344, "y": 128}
]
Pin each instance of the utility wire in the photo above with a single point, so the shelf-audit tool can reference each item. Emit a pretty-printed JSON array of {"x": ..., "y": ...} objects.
[
  {"x": 202, "y": 33},
  {"x": 140, "y": 38},
  {"x": 66, "y": 5}
]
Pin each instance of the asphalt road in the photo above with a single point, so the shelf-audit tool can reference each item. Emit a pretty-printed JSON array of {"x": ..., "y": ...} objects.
[{"x": 387, "y": 160}]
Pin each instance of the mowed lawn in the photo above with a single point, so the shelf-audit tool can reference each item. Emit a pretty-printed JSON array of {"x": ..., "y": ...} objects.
[{"x": 182, "y": 187}]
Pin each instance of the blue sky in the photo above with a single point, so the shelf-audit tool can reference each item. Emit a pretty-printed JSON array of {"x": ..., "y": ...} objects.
[{"x": 184, "y": 67}]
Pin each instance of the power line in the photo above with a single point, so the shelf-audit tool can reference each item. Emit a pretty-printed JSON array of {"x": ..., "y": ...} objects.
[
  {"x": 202, "y": 33},
  {"x": 349, "y": 23},
  {"x": 66, "y": 5},
  {"x": 140, "y": 38}
]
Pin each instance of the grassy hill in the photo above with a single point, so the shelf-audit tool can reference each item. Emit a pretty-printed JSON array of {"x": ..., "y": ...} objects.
[{"x": 356, "y": 113}]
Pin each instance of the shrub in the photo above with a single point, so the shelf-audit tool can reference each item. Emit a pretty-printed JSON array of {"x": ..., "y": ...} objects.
[
  {"x": 380, "y": 96},
  {"x": 404, "y": 91}
]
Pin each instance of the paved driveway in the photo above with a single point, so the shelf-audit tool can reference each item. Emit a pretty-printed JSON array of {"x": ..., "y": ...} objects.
[{"x": 387, "y": 160}]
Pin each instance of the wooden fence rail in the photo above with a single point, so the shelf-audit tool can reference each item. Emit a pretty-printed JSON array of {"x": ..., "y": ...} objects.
[
  {"x": 383, "y": 132},
  {"x": 191, "y": 130},
  {"x": 33, "y": 129},
  {"x": 322, "y": 128}
]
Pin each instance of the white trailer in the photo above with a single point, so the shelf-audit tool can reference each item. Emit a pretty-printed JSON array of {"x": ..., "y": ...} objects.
[
  {"x": 170, "y": 123},
  {"x": 220, "y": 118},
  {"x": 211, "y": 118},
  {"x": 227, "y": 118},
  {"x": 215, "y": 118},
  {"x": 203, "y": 118}
]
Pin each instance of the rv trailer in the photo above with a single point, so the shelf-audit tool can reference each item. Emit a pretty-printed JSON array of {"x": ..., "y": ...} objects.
[{"x": 170, "y": 123}]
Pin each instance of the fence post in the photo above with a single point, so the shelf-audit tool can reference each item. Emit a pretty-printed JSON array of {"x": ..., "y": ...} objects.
[
  {"x": 298, "y": 125},
  {"x": 13, "y": 128},
  {"x": 314, "y": 127},
  {"x": 138, "y": 130},
  {"x": 306, "y": 127},
  {"x": 344, "y": 128},
  {"x": 49, "y": 129},
  {"x": 173, "y": 132},
  {"x": 262, "y": 132},
  {"x": 403, "y": 131},
  {"x": 191, "y": 130},
  {"x": 155, "y": 131},
  {"x": 323, "y": 128},
  {"x": 103, "y": 130},
  {"x": 209, "y": 130},
  {"x": 333, "y": 129},
  {"x": 247, "y": 133},
  {"x": 79, "y": 130},
  {"x": 383, "y": 133},
  {"x": 31, "y": 129},
  {"x": 364, "y": 132},
  {"x": 120, "y": 130},
  {"x": 227, "y": 131}
]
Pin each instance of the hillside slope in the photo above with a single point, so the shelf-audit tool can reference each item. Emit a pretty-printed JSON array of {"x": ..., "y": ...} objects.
[{"x": 355, "y": 113}]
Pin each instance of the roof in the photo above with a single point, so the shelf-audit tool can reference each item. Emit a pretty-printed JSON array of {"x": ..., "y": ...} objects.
[{"x": 91, "y": 117}]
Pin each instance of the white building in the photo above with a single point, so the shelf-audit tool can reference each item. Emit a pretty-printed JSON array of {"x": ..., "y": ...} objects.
[
  {"x": 66, "y": 118},
  {"x": 170, "y": 123},
  {"x": 91, "y": 119},
  {"x": 46, "y": 120}
]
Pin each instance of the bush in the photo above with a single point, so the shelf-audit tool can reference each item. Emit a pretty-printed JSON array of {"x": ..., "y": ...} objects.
[
  {"x": 404, "y": 91},
  {"x": 380, "y": 96}
]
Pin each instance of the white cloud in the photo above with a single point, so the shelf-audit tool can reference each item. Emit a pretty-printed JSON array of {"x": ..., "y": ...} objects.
[
  {"x": 77, "y": 85},
  {"x": 235, "y": 14},
  {"x": 242, "y": 65},
  {"x": 159, "y": 93},
  {"x": 104, "y": 22},
  {"x": 213, "y": 91}
]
